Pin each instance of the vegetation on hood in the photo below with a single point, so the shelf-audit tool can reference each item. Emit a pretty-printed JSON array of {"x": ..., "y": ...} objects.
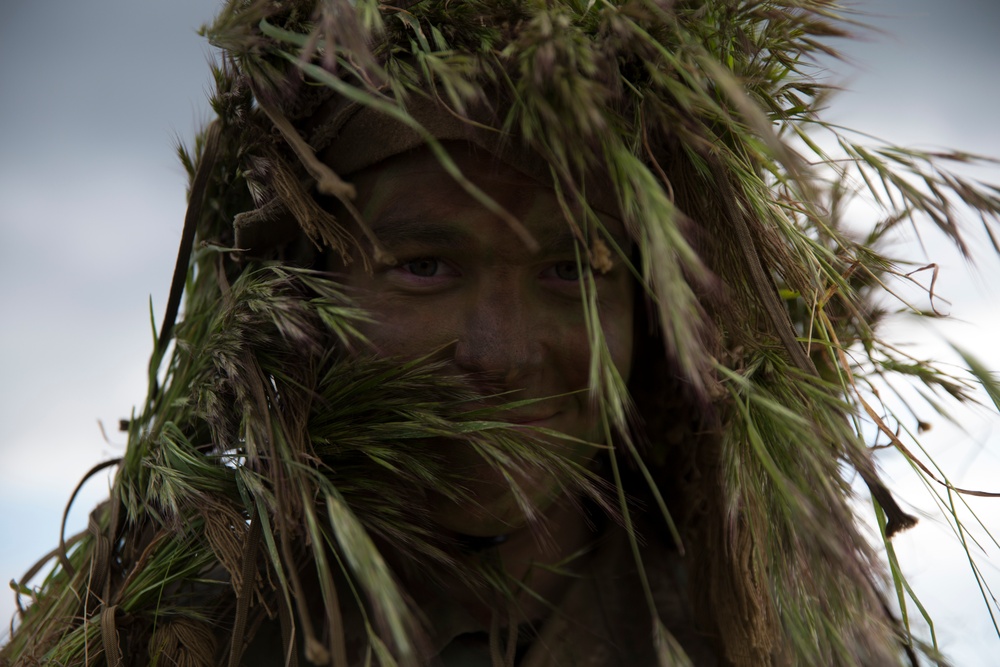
[{"x": 273, "y": 448}]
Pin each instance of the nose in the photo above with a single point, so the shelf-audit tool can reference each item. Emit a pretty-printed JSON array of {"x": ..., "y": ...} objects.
[{"x": 499, "y": 343}]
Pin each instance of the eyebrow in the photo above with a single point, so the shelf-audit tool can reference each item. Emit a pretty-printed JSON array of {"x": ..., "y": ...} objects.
[
  {"x": 397, "y": 226},
  {"x": 564, "y": 238},
  {"x": 401, "y": 230}
]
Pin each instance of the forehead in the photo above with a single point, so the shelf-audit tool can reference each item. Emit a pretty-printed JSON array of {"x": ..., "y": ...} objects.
[
  {"x": 416, "y": 180},
  {"x": 414, "y": 196}
]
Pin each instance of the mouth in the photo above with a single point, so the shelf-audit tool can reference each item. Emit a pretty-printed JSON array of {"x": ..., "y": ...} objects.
[
  {"x": 529, "y": 419},
  {"x": 528, "y": 412}
]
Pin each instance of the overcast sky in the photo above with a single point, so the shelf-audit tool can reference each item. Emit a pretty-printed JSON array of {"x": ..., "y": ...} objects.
[{"x": 95, "y": 95}]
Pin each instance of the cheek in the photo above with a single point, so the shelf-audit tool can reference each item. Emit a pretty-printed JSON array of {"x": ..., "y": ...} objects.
[
  {"x": 569, "y": 360},
  {"x": 619, "y": 336},
  {"x": 400, "y": 330},
  {"x": 617, "y": 321},
  {"x": 571, "y": 355}
]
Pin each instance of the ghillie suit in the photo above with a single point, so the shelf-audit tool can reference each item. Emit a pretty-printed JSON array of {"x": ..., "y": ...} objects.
[{"x": 269, "y": 480}]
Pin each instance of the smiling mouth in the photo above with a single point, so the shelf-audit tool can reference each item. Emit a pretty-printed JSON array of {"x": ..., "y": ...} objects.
[
  {"x": 532, "y": 412},
  {"x": 528, "y": 420}
]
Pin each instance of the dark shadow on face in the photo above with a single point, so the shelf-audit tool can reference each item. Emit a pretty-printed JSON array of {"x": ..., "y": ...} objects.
[{"x": 463, "y": 284}]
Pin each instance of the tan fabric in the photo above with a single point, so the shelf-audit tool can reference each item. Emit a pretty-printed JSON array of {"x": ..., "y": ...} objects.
[
  {"x": 363, "y": 137},
  {"x": 360, "y": 137},
  {"x": 349, "y": 137}
]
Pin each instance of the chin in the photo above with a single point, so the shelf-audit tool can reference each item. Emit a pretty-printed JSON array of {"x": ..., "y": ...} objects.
[{"x": 489, "y": 505}]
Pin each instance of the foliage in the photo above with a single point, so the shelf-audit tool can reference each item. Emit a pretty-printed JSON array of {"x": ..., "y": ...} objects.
[{"x": 270, "y": 438}]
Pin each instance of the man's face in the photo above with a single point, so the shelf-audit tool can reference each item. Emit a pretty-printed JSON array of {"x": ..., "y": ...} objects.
[{"x": 509, "y": 318}]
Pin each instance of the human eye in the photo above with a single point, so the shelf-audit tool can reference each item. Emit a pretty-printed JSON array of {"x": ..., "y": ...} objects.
[
  {"x": 423, "y": 267},
  {"x": 422, "y": 272},
  {"x": 564, "y": 271}
]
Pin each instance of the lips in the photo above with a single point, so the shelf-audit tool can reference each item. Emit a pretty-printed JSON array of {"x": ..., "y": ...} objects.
[
  {"x": 529, "y": 412},
  {"x": 528, "y": 420}
]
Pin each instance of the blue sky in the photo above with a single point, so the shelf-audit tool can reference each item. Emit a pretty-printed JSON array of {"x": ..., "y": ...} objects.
[{"x": 94, "y": 97}]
